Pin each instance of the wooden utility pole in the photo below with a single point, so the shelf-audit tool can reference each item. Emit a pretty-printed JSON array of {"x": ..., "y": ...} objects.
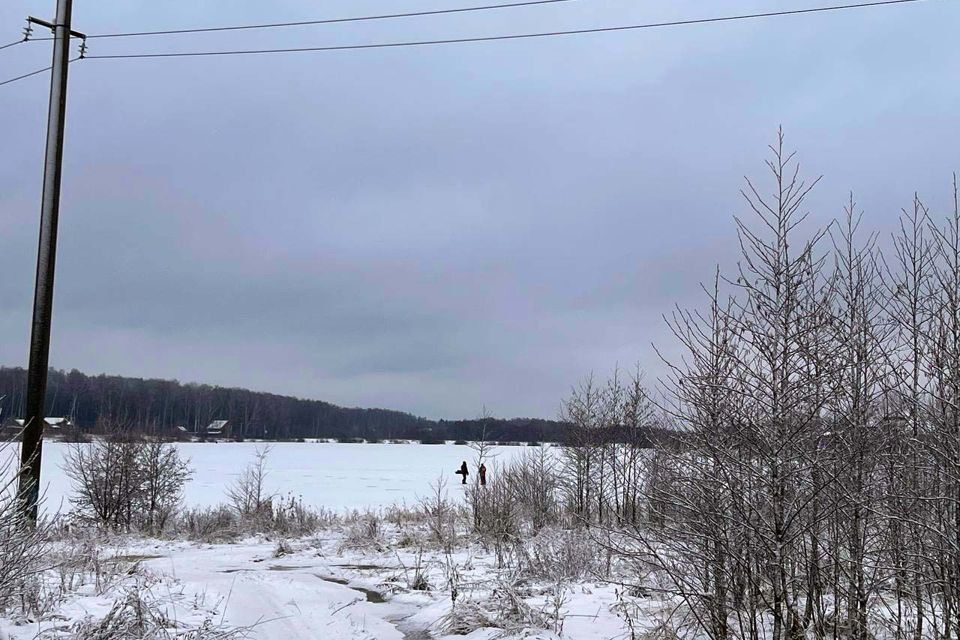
[{"x": 31, "y": 448}]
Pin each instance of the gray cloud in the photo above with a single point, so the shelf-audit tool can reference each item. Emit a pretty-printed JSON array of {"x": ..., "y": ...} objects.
[{"x": 439, "y": 229}]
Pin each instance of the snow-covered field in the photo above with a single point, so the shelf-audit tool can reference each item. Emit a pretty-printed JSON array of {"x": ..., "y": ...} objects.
[
  {"x": 331, "y": 475},
  {"x": 355, "y": 578},
  {"x": 317, "y": 590}
]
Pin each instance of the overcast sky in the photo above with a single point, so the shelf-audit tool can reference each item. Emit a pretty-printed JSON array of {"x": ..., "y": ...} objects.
[{"x": 438, "y": 229}]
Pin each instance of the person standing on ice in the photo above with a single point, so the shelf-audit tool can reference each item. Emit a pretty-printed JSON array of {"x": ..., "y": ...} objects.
[
  {"x": 462, "y": 471},
  {"x": 483, "y": 474}
]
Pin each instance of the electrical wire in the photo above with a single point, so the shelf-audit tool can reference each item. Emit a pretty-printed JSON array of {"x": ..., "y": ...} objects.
[
  {"x": 7, "y": 46},
  {"x": 518, "y": 36},
  {"x": 26, "y": 75},
  {"x": 32, "y": 73},
  {"x": 304, "y": 23}
]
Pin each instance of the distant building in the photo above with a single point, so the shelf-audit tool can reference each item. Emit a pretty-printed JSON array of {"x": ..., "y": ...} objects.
[
  {"x": 12, "y": 429},
  {"x": 217, "y": 429},
  {"x": 52, "y": 423},
  {"x": 214, "y": 430}
]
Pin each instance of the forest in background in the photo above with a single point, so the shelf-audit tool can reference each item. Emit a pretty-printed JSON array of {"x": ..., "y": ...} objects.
[{"x": 106, "y": 403}]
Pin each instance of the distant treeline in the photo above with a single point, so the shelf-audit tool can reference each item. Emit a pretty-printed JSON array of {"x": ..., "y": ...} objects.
[{"x": 159, "y": 406}]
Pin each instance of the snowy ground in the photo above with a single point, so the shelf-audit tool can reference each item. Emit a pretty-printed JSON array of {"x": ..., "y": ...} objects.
[
  {"x": 335, "y": 476},
  {"x": 317, "y": 590},
  {"x": 335, "y": 584}
]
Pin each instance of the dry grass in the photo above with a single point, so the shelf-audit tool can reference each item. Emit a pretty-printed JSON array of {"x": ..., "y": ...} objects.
[
  {"x": 23, "y": 545},
  {"x": 561, "y": 554},
  {"x": 365, "y": 532},
  {"x": 505, "y": 607},
  {"x": 287, "y": 517},
  {"x": 139, "y": 615}
]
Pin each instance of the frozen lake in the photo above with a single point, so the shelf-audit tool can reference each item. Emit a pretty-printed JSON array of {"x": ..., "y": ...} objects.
[{"x": 336, "y": 476}]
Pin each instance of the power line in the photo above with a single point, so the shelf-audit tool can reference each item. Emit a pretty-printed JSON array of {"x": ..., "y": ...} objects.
[
  {"x": 304, "y": 23},
  {"x": 11, "y": 44},
  {"x": 26, "y": 75},
  {"x": 32, "y": 73},
  {"x": 518, "y": 36}
]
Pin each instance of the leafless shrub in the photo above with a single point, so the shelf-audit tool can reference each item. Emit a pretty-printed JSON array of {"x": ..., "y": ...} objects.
[
  {"x": 129, "y": 617},
  {"x": 209, "y": 524},
  {"x": 535, "y": 481},
  {"x": 401, "y": 514},
  {"x": 140, "y": 615},
  {"x": 415, "y": 576},
  {"x": 105, "y": 479},
  {"x": 287, "y": 517},
  {"x": 519, "y": 499},
  {"x": 809, "y": 486},
  {"x": 126, "y": 483},
  {"x": 465, "y": 617},
  {"x": 80, "y": 562},
  {"x": 248, "y": 493},
  {"x": 282, "y": 548},
  {"x": 163, "y": 475},
  {"x": 254, "y": 510},
  {"x": 603, "y": 456},
  {"x": 505, "y": 607},
  {"x": 558, "y": 555},
  {"x": 495, "y": 508},
  {"x": 584, "y": 411},
  {"x": 23, "y": 545},
  {"x": 290, "y": 517},
  {"x": 483, "y": 448},
  {"x": 364, "y": 532},
  {"x": 439, "y": 514}
]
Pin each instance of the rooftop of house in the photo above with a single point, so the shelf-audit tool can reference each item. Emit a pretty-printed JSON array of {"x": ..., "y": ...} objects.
[{"x": 54, "y": 423}]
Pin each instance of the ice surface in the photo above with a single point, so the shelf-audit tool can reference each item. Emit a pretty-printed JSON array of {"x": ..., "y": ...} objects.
[{"x": 336, "y": 476}]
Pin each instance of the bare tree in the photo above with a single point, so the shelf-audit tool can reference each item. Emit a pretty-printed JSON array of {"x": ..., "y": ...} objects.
[
  {"x": 810, "y": 486},
  {"x": 943, "y": 439},
  {"x": 634, "y": 421},
  {"x": 857, "y": 439},
  {"x": 737, "y": 502},
  {"x": 537, "y": 486},
  {"x": 106, "y": 479},
  {"x": 248, "y": 493},
  {"x": 584, "y": 411},
  {"x": 483, "y": 448},
  {"x": 439, "y": 513},
  {"x": 909, "y": 278},
  {"x": 698, "y": 491},
  {"x": 781, "y": 320},
  {"x": 164, "y": 475},
  {"x": 124, "y": 482}
]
